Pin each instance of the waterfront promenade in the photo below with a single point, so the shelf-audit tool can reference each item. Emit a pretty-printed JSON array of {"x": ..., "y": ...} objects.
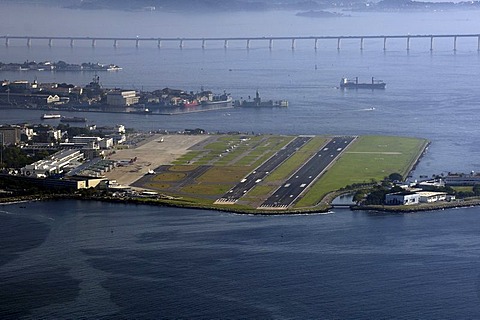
[{"x": 248, "y": 41}]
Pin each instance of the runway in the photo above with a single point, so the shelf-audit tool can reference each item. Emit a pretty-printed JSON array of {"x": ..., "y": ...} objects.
[
  {"x": 289, "y": 192},
  {"x": 257, "y": 175}
]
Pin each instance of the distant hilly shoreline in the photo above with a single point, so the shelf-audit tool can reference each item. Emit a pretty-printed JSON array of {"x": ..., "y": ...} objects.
[
  {"x": 185, "y": 5},
  {"x": 212, "y": 6}
]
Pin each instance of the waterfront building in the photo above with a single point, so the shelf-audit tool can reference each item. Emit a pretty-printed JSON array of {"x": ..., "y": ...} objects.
[
  {"x": 19, "y": 85},
  {"x": 402, "y": 198},
  {"x": 122, "y": 98},
  {"x": 462, "y": 179},
  {"x": 430, "y": 196},
  {"x": 70, "y": 183},
  {"x": 431, "y": 185},
  {"x": 416, "y": 197},
  {"x": 53, "y": 99},
  {"x": 63, "y": 90}
]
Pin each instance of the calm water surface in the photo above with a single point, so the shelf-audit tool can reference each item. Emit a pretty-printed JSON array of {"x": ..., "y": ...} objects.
[
  {"x": 71, "y": 259},
  {"x": 428, "y": 95}
]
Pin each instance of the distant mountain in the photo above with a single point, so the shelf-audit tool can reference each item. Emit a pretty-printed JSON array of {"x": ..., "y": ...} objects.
[
  {"x": 192, "y": 5},
  {"x": 188, "y": 5},
  {"x": 389, "y": 5},
  {"x": 320, "y": 14}
]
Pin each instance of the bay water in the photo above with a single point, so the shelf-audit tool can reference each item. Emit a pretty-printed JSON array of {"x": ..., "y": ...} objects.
[{"x": 74, "y": 259}]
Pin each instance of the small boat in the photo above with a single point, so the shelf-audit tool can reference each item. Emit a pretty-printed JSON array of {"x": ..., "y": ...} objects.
[
  {"x": 47, "y": 116},
  {"x": 354, "y": 84},
  {"x": 112, "y": 67},
  {"x": 73, "y": 119},
  {"x": 141, "y": 111}
]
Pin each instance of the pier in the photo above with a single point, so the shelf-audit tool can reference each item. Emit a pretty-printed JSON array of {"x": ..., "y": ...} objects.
[{"x": 202, "y": 42}]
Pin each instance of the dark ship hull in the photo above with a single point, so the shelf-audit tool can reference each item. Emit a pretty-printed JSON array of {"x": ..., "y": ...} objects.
[
  {"x": 354, "y": 84},
  {"x": 258, "y": 103}
]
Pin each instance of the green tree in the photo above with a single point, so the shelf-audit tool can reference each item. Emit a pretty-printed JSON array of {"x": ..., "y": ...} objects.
[
  {"x": 14, "y": 157},
  {"x": 395, "y": 177},
  {"x": 359, "y": 196},
  {"x": 476, "y": 189},
  {"x": 376, "y": 195}
]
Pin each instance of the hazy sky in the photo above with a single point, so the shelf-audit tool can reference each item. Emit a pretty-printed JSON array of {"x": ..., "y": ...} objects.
[{"x": 94, "y": 23}]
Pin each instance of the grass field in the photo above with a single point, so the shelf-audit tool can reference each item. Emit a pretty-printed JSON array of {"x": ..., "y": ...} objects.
[
  {"x": 368, "y": 158},
  {"x": 231, "y": 158}
]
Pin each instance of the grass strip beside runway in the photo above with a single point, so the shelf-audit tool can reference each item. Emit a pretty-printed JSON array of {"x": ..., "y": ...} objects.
[{"x": 369, "y": 158}]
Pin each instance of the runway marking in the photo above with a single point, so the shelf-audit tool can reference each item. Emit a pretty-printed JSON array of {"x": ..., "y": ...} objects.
[
  {"x": 260, "y": 172},
  {"x": 374, "y": 152},
  {"x": 282, "y": 198}
]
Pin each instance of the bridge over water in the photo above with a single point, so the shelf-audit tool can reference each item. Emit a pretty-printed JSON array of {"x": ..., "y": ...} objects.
[{"x": 247, "y": 40}]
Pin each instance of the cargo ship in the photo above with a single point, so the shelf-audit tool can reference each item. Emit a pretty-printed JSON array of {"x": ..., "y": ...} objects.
[
  {"x": 73, "y": 119},
  {"x": 258, "y": 103},
  {"x": 47, "y": 116},
  {"x": 354, "y": 84}
]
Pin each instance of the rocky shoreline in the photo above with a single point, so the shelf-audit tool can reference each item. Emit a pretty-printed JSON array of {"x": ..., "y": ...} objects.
[
  {"x": 471, "y": 202},
  {"x": 167, "y": 202},
  {"x": 163, "y": 201}
]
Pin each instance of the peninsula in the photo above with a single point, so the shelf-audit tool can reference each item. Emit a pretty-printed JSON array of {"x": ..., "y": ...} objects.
[
  {"x": 260, "y": 174},
  {"x": 57, "y": 66},
  {"x": 93, "y": 97}
]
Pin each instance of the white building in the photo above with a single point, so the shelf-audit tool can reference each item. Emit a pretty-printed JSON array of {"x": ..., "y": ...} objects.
[
  {"x": 431, "y": 184},
  {"x": 430, "y": 196},
  {"x": 55, "y": 134},
  {"x": 402, "y": 198},
  {"x": 122, "y": 98},
  {"x": 106, "y": 143},
  {"x": 53, "y": 99},
  {"x": 28, "y": 132},
  {"x": 53, "y": 164},
  {"x": 86, "y": 142},
  {"x": 119, "y": 138},
  {"x": 120, "y": 128}
]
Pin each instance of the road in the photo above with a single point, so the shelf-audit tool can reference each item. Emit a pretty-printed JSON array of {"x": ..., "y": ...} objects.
[
  {"x": 256, "y": 176},
  {"x": 286, "y": 195}
]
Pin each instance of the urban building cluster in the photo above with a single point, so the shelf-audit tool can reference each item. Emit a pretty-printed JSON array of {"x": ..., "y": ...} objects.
[
  {"x": 58, "y": 96},
  {"x": 75, "y": 161},
  {"x": 57, "y": 66},
  {"x": 421, "y": 192}
]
